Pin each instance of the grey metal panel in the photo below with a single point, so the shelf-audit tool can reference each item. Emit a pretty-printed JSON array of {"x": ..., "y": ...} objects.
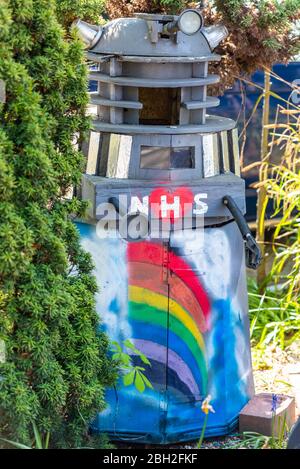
[
  {"x": 213, "y": 124},
  {"x": 189, "y": 141},
  {"x": 209, "y": 102},
  {"x": 200, "y": 69},
  {"x": 158, "y": 70},
  {"x": 174, "y": 141},
  {"x": 199, "y": 93},
  {"x": 104, "y": 91},
  {"x": 153, "y": 82},
  {"x": 116, "y": 92},
  {"x": 198, "y": 116},
  {"x": 131, "y": 116},
  {"x": 147, "y": 140},
  {"x": 184, "y": 114},
  {"x": 97, "y": 99},
  {"x": 130, "y": 36}
]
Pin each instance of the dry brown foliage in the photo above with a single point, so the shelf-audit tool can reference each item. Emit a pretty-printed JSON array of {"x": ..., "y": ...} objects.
[{"x": 252, "y": 44}]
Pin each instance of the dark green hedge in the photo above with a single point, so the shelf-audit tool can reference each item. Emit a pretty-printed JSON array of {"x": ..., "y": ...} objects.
[{"x": 56, "y": 364}]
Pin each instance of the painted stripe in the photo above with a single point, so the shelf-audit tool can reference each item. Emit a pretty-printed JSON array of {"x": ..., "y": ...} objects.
[
  {"x": 178, "y": 291},
  {"x": 159, "y": 353},
  {"x": 152, "y": 253},
  {"x": 162, "y": 336},
  {"x": 161, "y": 302},
  {"x": 157, "y": 376},
  {"x": 148, "y": 314}
]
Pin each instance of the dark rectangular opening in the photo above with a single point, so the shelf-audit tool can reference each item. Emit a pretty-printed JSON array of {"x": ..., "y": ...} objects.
[
  {"x": 161, "y": 106},
  {"x": 167, "y": 158}
]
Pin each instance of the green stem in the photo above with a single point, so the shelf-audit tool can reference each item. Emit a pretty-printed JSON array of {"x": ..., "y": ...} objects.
[
  {"x": 47, "y": 440},
  {"x": 203, "y": 432},
  {"x": 262, "y": 196}
]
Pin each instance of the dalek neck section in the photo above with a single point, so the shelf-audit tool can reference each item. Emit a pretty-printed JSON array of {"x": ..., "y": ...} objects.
[
  {"x": 151, "y": 103},
  {"x": 161, "y": 95}
]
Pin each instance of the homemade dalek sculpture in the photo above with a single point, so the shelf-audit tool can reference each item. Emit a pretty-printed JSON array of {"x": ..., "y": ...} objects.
[{"x": 166, "y": 228}]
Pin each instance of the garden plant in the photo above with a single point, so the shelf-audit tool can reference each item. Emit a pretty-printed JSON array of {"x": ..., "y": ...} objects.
[
  {"x": 276, "y": 311},
  {"x": 54, "y": 365}
]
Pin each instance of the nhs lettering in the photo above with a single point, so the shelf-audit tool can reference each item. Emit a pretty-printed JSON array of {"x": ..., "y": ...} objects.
[
  {"x": 151, "y": 215},
  {"x": 170, "y": 205}
]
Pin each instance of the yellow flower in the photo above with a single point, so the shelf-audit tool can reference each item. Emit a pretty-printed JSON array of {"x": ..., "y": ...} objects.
[{"x": 206, "y": 407}]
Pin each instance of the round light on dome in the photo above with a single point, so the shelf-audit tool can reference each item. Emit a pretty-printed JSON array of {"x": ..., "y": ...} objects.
[{"x": 190, "y": 21}]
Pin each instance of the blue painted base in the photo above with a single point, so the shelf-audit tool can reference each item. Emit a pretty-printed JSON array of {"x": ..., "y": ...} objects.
[
  {"x": 163, "y": 439},
  {"x": 194, "y": 329}
]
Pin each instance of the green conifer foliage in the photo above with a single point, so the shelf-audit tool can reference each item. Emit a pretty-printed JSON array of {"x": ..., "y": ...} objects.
[
  {"x": 56, "y": 363},
  {"x": 89, "y": 10}
]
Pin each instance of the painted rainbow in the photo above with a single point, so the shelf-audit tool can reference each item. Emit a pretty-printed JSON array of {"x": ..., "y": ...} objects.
[{"x": 174, "y": 311}]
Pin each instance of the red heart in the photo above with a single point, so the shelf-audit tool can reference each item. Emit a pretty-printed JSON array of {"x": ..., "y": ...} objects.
[{"x": 159, "y": 207}]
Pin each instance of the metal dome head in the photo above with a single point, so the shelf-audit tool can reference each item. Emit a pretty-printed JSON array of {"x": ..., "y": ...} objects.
[{"x": 155, "y": 35}]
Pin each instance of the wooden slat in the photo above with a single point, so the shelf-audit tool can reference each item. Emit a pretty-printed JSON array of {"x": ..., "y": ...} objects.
[
  {"x": 98, "y": 190},
  {"x": 97, "y": 99},
  {"x": 98, "y": 58},
  {"x": 211, "y": 162},
  {"x": 145, "y": 59},
  {"x": 225, "y": 152},
  {"x": 154, "y": 82},
  {"x": 210, "y": 102},
  {"x": 236, "y": 152}
]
